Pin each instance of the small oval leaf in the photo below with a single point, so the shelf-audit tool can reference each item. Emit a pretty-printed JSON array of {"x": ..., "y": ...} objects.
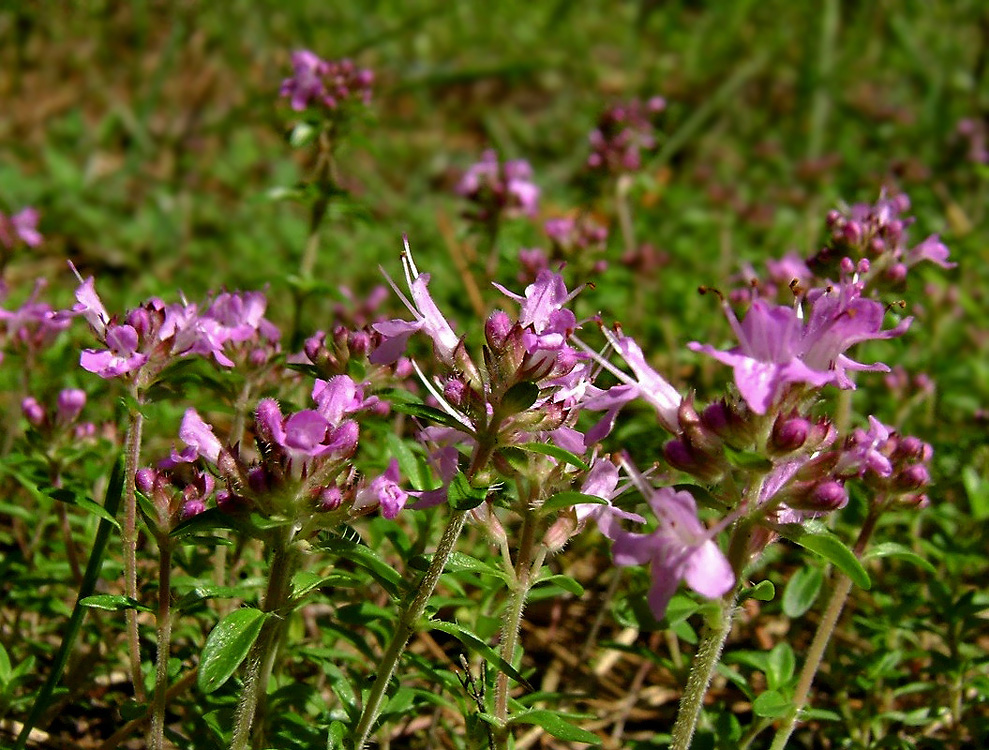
[
  {"x": 556, "y": 725},
  {"x": 802, "y": 590},
  {"x": 462, "y": 496},
  {"x": 227, "y": 646},
  {"x": 817, "y": 538},
  {"x": 770, "y": 705}
]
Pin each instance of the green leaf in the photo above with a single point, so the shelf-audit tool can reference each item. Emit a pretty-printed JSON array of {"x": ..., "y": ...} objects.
[
  {"x": 780, "y": 665},
  {"x": 556, "y": 725},
  {"x": 227, "y": 646},
  {"x": 977, "y": 490},
  {"x": 548, "y": 449},
  {"x": 518, "y": 398},
  {"x": 816, "y": 537},
  {"x": 462, "y": 496},
  {"x": 209, "y": 591},
  {"x": 416, "y": 471},
  {"x": 770, "y": 705},
  {"x": 802, "y": 590},
  {"x": 478, "y": 646},
  {"x": 569, "y": 498},
  {"x": 764, "y": 591},
  {"x": 566, "y": 583},
  {"x": 893, "y": 549},
  {"x": 335, "y": 736},
  {"x": 113, "y": 602},
  {"x": 430, "y": 414},
  {"x": 368, "y": 559},
  {"x": 211, "y": 519},
  {"x": 459, "y": 562},
  {"x": 80, "y": 501}
]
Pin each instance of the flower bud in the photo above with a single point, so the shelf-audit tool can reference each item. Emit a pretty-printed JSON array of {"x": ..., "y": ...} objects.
[
  {"x": 559, "y": 533},
  {"x": 145, "y": 480},
  {"x": 33, "y": 411},
  {"x": 358, "y": 343},
  {"x": 70, "y": 404},
  {"x": 496, "y": 329},
  {"x": 912, "y": 478},
  {"x": 140, "y": 319},
  {"x": 896, "y": 273},
  {"x": 454, "y": 391},
  {"x": 192, "y": 507},
  {"x": 268, "y": 420},
  {"x": 822, "y": 497},
  {"x": 789, "y": 434},
  {"x": 330, "y": 498}
]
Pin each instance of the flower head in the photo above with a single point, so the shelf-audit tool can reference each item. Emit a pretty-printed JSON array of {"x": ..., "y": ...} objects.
[
  {"x": 680, "y": 549},
  {"x": 778, "y": 347}
]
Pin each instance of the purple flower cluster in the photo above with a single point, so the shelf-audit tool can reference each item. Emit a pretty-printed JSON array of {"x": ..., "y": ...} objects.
[
  {"x": 779, "y": 347},
  {"x": 33, "y": 326},
  {"x": 579, "y": 234},
  {"x": 528, "y": 354},
  {"x": 496, "y": 189},
  {"x": 68, "y": 407},
  {"x": 151, "y": 336},
  {"x": 303, "y": 469},
  {"x": 877, "y": 232},
  {"x": 622, "y": 134},
  {"x": 21, "y": 227},
  {"x": 328, "y": 84}
]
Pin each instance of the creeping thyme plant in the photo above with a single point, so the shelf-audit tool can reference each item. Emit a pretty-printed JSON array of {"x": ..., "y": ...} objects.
[{"x": 369, "y": 528}]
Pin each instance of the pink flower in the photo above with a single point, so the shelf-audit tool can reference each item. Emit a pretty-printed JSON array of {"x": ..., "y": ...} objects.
[
  {"x": 778, "y": 347},
  {"x": 681, "y": 548},
  {"x": 428, "y": 319},
  {"x": 22, "y": 226}
]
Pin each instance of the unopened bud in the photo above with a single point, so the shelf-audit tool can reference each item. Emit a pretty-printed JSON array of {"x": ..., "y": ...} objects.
[
  {"x": 33, "y": 411},
  {"x": 145, "y": 480},
  {"x": 358, "y": 343},
  {"x": 70, "y": 403},
  {"x": 789, "y": 434},
  {"x": 822, "y": 497},
  {"x": 454, "y": 391},
  {"x": 140, "y": 319},
  {"x": 192, "y": 508},
  {"x": 496, "y": 329},
  {"x": 912, "y": 478},
  {"x": 330, "y": 498},
  {"x": 896, "y": 273}
]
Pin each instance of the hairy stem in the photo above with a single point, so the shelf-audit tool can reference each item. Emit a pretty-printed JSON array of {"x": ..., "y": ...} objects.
[
  {"x": 406, "y": 623},
  {"x": 413, "y": 608},
  {"x": 518, "y": 593},
  {"x": 156, "y": 736},
  {"x": 702, "y": 670},
  {"x": 132, "y": 460},
  {"x": 262, "y": 657},
  {"x": 825, "y": 629}
]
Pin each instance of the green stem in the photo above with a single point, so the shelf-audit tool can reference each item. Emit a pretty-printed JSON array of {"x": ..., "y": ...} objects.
[
  {"x": 702, "y": 670},
  {"x": 518, "y": 593},
  {"x": 262, "y": 658},
  {"x": 156, "y": 736},
  {"x": 406, "y": 624},
  {"x": 132, "y": 459},
  {"x": 413, "y": 609},
  {"x": 822, "y": 636}
]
